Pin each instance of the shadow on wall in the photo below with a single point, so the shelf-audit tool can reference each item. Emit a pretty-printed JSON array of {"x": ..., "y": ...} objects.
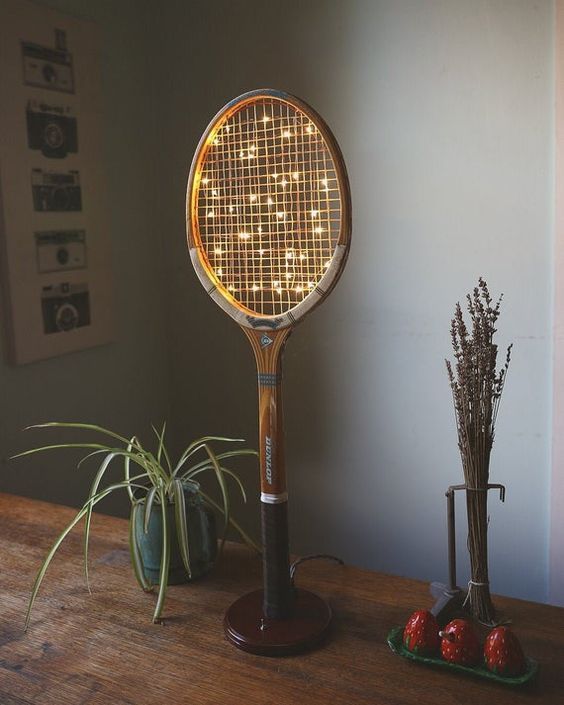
[
  {"x": 236, "y": 47},
  {"x": 346, "y": 451},
  {"x": 123, "y": 385}
]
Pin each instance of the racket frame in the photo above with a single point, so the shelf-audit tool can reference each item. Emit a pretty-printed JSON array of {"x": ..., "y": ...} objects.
[{"x": 268, "y": 335}]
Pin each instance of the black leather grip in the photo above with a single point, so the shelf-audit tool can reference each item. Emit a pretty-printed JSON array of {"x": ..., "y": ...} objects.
[{"x": 278, "y": 591}]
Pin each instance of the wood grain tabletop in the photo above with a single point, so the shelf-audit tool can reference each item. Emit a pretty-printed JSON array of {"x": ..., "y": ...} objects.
[{"x": 102, "y": 649}]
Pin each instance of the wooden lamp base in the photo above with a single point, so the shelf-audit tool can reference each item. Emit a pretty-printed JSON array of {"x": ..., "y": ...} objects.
[{"x": 248, "y": 629}]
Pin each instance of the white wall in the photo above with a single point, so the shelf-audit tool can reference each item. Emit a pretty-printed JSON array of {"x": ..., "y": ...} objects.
[
  {"x": 444, "y": 114},
  {"x": 556, "y": 564}
]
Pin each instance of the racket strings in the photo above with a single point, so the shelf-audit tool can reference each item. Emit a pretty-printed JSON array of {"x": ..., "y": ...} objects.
[{"x": 268, "y": 205}]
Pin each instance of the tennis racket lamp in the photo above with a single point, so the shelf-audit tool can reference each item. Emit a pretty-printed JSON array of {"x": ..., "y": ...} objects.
[{"x": 268, "y": 221}]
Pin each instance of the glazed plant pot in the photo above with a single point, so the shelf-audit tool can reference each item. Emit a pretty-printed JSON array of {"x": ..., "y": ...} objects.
[
  {"x": 202, "y": 539},
  {"x": 150, "y": 478}
]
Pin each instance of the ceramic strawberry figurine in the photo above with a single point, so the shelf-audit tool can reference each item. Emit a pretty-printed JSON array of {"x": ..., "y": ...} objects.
[
  {"x": 421, "y": 633},
  {"x": 460, "y": 643},
  {"x": 503, "y": 653}
]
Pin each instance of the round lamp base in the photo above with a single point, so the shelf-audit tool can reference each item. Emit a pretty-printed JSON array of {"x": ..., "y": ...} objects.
[{"x": 247, "y": 628}]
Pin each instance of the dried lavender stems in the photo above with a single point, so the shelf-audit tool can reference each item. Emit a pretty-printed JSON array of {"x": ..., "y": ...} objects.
[{"x": 476, "y": 390}]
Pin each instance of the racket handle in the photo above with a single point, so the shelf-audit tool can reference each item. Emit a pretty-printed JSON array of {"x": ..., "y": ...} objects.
[{"x": 278, "y": 591}]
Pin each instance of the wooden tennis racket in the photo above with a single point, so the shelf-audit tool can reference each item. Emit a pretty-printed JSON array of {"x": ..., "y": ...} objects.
[{"x": 269, "y": 224}]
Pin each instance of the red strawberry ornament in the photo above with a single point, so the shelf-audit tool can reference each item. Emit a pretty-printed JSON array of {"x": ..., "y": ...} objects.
[
  {"x": 421, "y": 633},
  {"x": 460, "y": 643},
  {"x": 503, "y": 653}
]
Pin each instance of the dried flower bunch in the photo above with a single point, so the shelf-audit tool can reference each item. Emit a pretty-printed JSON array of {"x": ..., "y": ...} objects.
[{"x": 476, "y": 386}]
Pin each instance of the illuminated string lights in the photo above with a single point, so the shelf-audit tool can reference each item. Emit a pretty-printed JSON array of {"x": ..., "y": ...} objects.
[{"x": 268, "y": 214}]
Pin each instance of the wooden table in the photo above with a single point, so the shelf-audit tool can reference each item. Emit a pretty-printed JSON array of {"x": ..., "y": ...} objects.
[{"x": 102, "y": 649}]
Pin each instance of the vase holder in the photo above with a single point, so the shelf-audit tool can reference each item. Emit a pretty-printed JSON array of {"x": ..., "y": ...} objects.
[{"x": 450, "y": 600}]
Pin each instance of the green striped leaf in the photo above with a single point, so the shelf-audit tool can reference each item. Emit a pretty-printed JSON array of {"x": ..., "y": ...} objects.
[
  {"x": 165, "y": 559},
  {"x": 182, "y": 525},
  {"x": 134, "y": 551}
]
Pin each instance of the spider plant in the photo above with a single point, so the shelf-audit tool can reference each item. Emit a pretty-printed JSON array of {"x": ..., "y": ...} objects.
[{"x": 153, "y": 483}]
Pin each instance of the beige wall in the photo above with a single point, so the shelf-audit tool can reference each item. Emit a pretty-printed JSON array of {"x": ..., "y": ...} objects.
[{"x": 444, "y": 114}]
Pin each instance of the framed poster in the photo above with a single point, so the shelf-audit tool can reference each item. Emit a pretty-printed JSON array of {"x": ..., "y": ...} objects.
[{"x": 55, "y": 249}]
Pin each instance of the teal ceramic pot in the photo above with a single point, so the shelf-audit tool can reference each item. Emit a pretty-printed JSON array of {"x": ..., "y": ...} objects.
[{"x": 202, "y": 539}]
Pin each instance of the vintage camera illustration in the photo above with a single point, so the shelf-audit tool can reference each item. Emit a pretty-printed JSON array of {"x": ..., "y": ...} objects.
[
  {"x": 60, "y": 250},
  {"x": 65, "y": 307},
  {"x": 56, "y": 190},
  {"x": 52, "y": 129},
  {"x": 45, "y": 67}
]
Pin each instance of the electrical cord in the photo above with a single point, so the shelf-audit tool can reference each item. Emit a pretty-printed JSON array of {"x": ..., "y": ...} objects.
[{"x": 314, "y": 556}]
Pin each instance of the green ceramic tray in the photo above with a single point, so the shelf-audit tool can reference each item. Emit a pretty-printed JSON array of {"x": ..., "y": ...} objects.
[{"x": 395, "y": 642}]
